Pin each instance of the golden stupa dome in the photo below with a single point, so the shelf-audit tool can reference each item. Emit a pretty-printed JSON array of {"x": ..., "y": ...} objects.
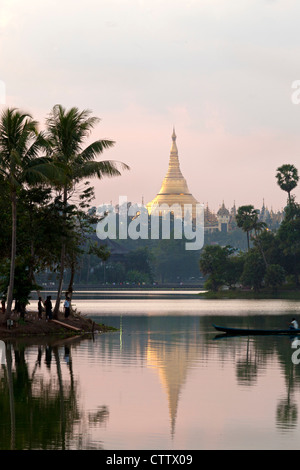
[{"x": 174, "y": 188}]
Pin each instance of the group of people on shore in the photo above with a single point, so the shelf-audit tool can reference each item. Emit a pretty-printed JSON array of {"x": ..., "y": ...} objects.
[{"x": 47, "y": 307}]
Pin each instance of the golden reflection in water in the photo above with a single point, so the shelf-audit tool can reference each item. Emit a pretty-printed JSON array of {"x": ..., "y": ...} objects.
[
  {"x": 158, "y": 382},
  {"x": 172, "y": 363}
]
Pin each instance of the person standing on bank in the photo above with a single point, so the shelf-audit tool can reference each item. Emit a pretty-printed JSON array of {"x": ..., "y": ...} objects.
[
  {"x": 48, "y": 306},
  {"x": 67, "y": 307},
  {"x": 40, "y": 308}
]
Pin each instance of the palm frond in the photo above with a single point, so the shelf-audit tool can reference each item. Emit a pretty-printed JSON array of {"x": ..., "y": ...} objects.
[
  {"x": 93, "y": 150},
  {"x": 100, "y": 170},
  {"x": 67, "y": 131},
  {"x": 43, "y": 170}
]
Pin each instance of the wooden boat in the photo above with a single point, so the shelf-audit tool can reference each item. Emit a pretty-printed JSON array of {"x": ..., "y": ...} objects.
[{"x": 249, "y": 331}]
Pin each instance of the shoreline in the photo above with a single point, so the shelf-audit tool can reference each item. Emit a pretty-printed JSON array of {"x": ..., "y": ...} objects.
[
  {"x": 81, "y": 325},
  {"x": 32, "y": 326},
  {"x": 237, "y": 294}
]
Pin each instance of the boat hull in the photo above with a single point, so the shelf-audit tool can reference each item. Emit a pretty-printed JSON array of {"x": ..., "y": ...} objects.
[{"x": 249, "y": 331}]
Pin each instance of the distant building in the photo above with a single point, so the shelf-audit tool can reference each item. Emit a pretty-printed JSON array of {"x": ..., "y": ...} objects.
[
  {"x": 223, "y": 216},
  {"x": 210, "y": 221},
  {"x": 222, "y": 221}
]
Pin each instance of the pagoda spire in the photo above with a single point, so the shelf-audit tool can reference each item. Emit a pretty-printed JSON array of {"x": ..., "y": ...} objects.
[
  {"x": 174, "y": 146},
  {"x": 174, "y": 174},
  {"x": 174, "y": 189}
]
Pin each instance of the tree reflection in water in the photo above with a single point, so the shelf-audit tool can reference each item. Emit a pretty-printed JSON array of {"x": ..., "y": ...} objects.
[
  {"x": 247, "y": 370},
  {"x": 287, "y": 411},
  {"x": 39, "y": 402},
  {"x": 255, "y": 355}
]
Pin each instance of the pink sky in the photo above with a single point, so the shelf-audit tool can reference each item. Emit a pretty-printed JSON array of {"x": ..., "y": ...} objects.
[{"x": 220, "y": 72}]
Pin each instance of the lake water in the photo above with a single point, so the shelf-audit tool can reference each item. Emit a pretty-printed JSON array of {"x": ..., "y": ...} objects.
[{"x": 164, "y": 380}]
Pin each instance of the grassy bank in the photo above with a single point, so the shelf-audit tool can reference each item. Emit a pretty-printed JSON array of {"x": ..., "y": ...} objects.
[
  {"x": 32, "y": 326},
  {"x": 284, "y": 294}
]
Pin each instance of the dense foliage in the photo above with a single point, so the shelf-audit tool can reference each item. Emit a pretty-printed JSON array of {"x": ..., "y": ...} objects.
[
  {"x": 40, "y": 177},
  {"x": 274, "y": 256}
]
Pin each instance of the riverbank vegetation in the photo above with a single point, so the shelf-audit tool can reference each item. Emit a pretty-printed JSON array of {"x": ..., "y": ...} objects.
[
  {"x": 283, "y": 293},
  {"x": 271, "y": 265},
  {"x": 45, "y": 198}
]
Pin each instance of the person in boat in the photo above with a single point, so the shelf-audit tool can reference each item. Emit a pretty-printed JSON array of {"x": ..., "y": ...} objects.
[{"x": 294, "y": 324}]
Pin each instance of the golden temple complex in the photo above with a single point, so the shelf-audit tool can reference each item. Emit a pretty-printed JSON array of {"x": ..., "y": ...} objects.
[{"x": 174, "y": 189}]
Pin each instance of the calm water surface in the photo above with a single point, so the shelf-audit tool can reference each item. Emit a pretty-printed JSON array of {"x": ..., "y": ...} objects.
[{"x": 164, "y": 380}]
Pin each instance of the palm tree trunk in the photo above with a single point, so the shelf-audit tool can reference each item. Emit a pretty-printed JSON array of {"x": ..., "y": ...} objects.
[
  {"x": 261, "y": 249},
  {"x": 13, "y": 253},
  {"x": 62, "y": 258},
  {"x": 71, "y": 282},
  {"x": 61, "y": 278}
]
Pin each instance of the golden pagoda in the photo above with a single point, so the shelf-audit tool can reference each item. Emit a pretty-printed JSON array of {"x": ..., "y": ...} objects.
[{"x": 174, "y": 189}]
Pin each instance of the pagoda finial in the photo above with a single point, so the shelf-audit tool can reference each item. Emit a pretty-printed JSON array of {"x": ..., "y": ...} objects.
[{"x": 174, "y": 151}]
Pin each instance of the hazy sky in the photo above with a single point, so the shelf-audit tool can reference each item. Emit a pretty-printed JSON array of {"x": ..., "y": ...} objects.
[{"x": 220, "y": 71}]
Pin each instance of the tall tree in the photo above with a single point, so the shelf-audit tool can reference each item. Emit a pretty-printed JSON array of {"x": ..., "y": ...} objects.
[
  {"x": 259, "y": 226},
  {"x": 254, "y": 269},
  {"x": 274, "y": 276},
  {"x": 288, "y": 240},
  {"x": 246, "y": 219},
  {"x": 20, "y": 165},
  {"x": 287, "y": 178},
  {"x": 67, "y": 133},
  {"x": 216, "y": 263}
]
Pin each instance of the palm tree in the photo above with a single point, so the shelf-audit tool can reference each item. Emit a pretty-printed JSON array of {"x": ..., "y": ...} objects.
[
  {"x": 67, "y": 132},
  {"x": 20, "y": 165},
  {"x": 246, "y": 218},
  {"x": 258, "y": 226},
  {"x": 287, "y": 178}
]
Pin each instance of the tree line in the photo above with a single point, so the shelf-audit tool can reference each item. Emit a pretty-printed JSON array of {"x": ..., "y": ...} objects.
[
  {"x": 45, "y": 196},
  {"x": 272, "y": 257}
]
